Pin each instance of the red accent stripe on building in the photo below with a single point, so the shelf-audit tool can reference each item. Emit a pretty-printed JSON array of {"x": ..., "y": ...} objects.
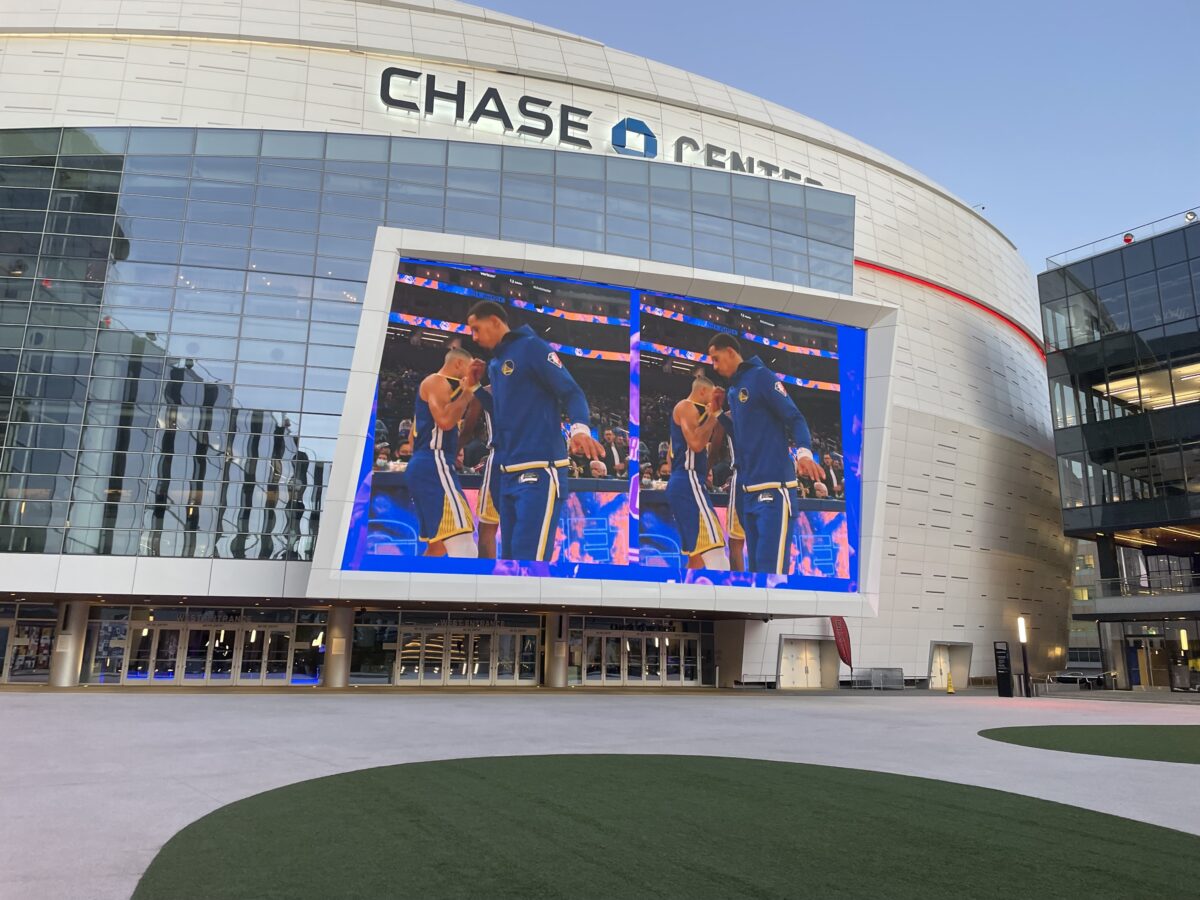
[{"x": 1011, "y": 323}]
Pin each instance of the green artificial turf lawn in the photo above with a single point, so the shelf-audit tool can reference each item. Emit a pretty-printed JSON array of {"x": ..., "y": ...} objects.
[
  {"x": 1166, "y": 743},
  {"x": 656, "y": 826}
]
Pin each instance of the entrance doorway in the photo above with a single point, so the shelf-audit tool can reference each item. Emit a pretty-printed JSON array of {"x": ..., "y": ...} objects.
[
  {"x": 435, "y": 657},
  {"x": 209, "y": 654},
  {"x": 641, "y": 659},
  {"x": 26, "y": 642},
  {"x": 800, "y": 664},
  {"x": 949, "y": 660}
]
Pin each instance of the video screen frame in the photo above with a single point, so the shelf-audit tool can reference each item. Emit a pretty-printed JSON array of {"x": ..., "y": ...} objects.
[{"x": 851, "y": 345}]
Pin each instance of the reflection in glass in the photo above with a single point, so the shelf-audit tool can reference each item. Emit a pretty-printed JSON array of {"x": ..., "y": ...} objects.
[
  {"x": 279, "y": 651},
  {"x": 409, "y": 666},
  {"x": 506, "y": 657},
  {"x": 195, "y": 661},
  {"x": 633, "y": 659},
  {"x": 166, "y": 654},
  {"x": 457, "y": 663},
  {"x": 434, "y": 662},
  {"x": 481, "y": 657},
  {"x": 528, "y": 660},
  {"x": 594, "y": 671}
]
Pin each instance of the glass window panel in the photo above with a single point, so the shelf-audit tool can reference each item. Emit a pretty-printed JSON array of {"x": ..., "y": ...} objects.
[
  {"x": 326, "y": 379},
  {"x": 225, "y": 168},
  {"x": 202, "y": 323},
  {"x": 207, "y": 233},
  {"x": 477, "y": 203},
  {"x": 427, "y": 176},
  {"x": 176, "y": 166},
  {"x": 274, "y": 329},
  {"x": 94, "y": 140},
  {"x": 1144, "y": 308},
  {"x": 358, "y": 207},
  {"x": 215, "y": 257},
  {"x": 202, "y": 279},
  {"x": 424, "y": 195},
  {"x": 623, "y": 246},
  {"x": 429, "y": 217},
  {"x": 155, "y": 186},
  {"x": 460, "y": 221},
  {"x": 418, "y": 150},
  {"x": 24, "y": 198},
  {"x": 1175, "y": 292},
  {"x": 325, "y": 333},
  {"x": 288, "y": 198},
  {"x": 162, "y": 140},
  {"x": 349, "y": 227},
  {"x": 355, "y": 184},
  {"x": 523, "y": 230},
  {"x": 1114, "y": 307},
  {"x": 278, "y": 261},
  {"x": 222, "y": 192},
  {"x": 142, "y": 273},
  {"x": 576, "y": 237},
  {"x": 326, "y": 403},
  {"x": 332, "y": 267},
  {"x": 289, "y": 177},
  {"x": 294, "y": 241},
  {"x": 194, "y": 346},
  {"x": 474, "y": 156},
  {"x": 26, "y": 176},
  {"x": 285, "y": 219},
  {"x": 222, "y": 213},
  {"x": 348, "y": 248},
  {"x": 148, "y": 229},
  {"x": 30, "y": 142},
  {"x": 29, "y": 220},
  {"x": 85, "y": 180},
  {"x": 330, "y": 357},
  {"x": 277, "y": 307},
  {"x": 271, "y": 352},
  {"x": 137, "y": 295},
  {"x": 302, "y": 145},
  {"x": 218, "y": 142},
  {"x": 151, "y": 207},
  {"x": 208, "y": 301},
  {"x": 669, "y": 253},
  {"x": 153, "y": 251},
  {"x": 579, "y": 218},
  {"x": 1169, "y": 249},
  {"x": 264, "y": 375},
  {"x": 287, "y": 285},
  {"x": 357, "y": 146},
  {"x": 267, "y": 398}
]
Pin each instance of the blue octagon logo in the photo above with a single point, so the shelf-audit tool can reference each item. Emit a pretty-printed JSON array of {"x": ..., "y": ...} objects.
[{"x": 626, "y": 127}]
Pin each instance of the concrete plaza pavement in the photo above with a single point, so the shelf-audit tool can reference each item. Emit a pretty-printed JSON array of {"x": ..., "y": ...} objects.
[{"x": 93, "y": 783}]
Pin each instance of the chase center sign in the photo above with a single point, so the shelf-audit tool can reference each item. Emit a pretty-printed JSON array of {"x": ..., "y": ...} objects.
[{"x": 422, "y": 94}]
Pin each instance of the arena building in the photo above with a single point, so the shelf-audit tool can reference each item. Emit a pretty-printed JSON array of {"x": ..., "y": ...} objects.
[{"x": 239, "y": 243}]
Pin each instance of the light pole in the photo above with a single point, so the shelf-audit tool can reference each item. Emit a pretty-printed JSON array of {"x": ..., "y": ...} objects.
[{"x": 1021, "y": 635}]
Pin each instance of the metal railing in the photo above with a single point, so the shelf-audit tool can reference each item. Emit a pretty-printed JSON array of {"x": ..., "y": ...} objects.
[
  {"x": 1141, "y": 232},
  {"x": 1146, "y": 586}
]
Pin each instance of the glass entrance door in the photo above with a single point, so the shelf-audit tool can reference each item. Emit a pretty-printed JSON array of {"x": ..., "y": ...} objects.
[
  {"x": 265, "y": 656},
  {"x": 166, "y": 654},
  {"x": 5, "y": 628},
  {"x": 481, "y": 658}
]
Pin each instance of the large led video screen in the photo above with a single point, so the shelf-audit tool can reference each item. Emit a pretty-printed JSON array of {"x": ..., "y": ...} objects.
[{"x": 540, "y": 426}]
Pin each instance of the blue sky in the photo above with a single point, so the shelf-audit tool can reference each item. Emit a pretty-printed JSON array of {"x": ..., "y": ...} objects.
[{"x": 1068, "y": 120}]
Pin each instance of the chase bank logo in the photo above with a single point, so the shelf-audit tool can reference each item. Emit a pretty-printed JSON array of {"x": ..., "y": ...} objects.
[{"x": 633, "y": 137}]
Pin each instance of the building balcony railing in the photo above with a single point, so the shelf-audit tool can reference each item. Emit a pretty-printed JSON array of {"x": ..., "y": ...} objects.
[
  {"x": 1112, "y": 242},
  {"x": 1146, "y": 586}
]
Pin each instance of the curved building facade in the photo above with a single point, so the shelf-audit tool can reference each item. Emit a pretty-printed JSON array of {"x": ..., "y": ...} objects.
[{"x": 221, "y": 224}]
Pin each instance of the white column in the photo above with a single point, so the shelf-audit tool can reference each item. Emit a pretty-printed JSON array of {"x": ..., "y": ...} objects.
[
  {"x": 555, "y": 661},
  {"x": 67, "y": 658},
  {"x": 338, "y": 640}
]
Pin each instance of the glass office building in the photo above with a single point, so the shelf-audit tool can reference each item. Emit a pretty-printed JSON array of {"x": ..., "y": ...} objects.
[
  {"x": 1124, "y": 371},
  {"x": 191, "y": 218}
]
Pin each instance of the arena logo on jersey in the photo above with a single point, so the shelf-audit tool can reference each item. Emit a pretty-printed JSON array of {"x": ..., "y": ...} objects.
[{"x": 532, "y": 116}]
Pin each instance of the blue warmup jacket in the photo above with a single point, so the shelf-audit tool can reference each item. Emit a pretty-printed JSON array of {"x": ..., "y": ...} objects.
[
  {"x": 765, "y": 423},
  {"x": 530, "y": 391}
]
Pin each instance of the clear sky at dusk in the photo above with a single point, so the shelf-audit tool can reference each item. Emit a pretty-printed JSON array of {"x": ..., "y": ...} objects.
[{"x": 1069, "y": 121}]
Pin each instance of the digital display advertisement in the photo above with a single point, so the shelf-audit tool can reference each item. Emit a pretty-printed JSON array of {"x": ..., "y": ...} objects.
[{"x": 540, "y": 426}]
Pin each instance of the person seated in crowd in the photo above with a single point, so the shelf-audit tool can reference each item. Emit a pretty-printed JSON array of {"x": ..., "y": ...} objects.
[
  {"x": 597, "y": 469},
  {"x": 615, "y": 460}
]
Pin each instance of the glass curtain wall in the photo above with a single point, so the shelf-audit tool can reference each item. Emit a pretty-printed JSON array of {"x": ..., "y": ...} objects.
[{"x": 178, "y": 307}]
